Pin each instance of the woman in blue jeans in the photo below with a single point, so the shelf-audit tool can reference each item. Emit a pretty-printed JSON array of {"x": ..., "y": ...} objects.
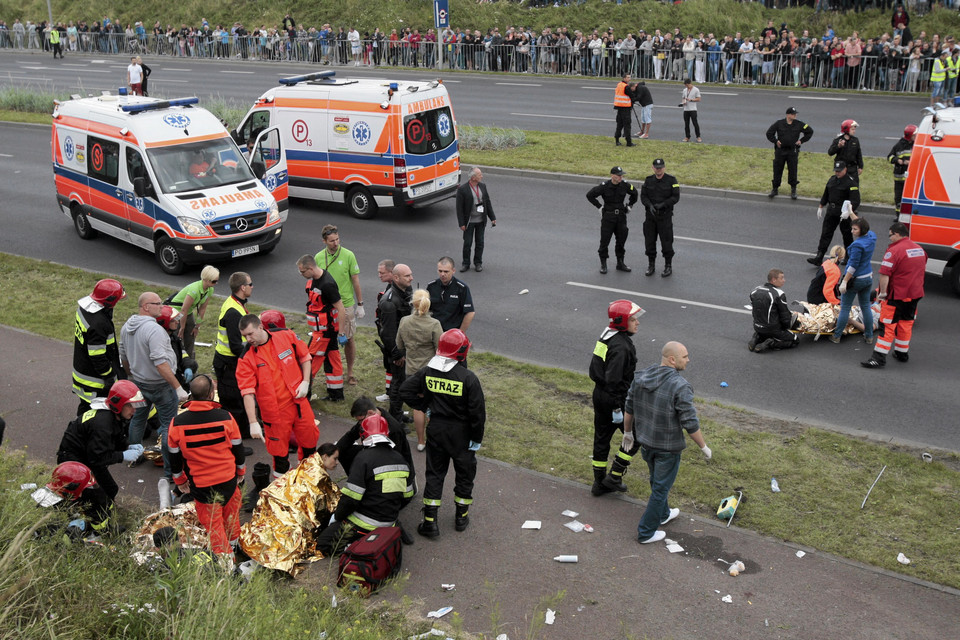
[{"x": 857, "y": 279}]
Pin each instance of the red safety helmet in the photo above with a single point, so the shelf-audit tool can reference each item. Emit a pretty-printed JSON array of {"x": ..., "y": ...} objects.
[
  {"x": 454, "y": 344},
  {"x": 122, "y": 393},
  {"x": 273, "y": 320},
  {"x": 108, "y": 292},
  {"x": 846, "y": 125},
  {"x": 70, "y": 479},
  {"x": 909, "y": 132},
  {"x": 374, "y": 426},
  {"x": 620, "y": 311},
  {"x": 167, "y": 315}
]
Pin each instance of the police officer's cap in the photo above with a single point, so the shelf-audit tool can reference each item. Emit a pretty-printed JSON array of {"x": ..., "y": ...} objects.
[
  {"x": 791, "y": 111},
  {"x": 839, "y": 165},
  {"x": 616, "y": 171},
  {"x": 659, "y": 163}
]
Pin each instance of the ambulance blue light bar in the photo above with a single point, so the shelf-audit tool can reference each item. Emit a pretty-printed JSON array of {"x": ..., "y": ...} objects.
[
  {"x": 162, "y": 104},
  {"x": 320, "y": 75}
]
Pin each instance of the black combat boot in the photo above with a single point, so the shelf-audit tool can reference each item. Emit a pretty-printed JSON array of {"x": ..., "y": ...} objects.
[
  {"x": 261, "y": 480},
  {"x": 428, "y": 528},
  {"x": 667, "y": 270},
  {"x": 793, "y": 192},
  {"x": 613, "y": 481},
  {"x": 773, "y": 193},
  {"x": 603, "y": 265},
  {"x": 623, "y": 267},
  {"x": 598, "y": 475},
  {"x": 462, "y": 518},
  {"x": 816, "y": 260},
  {"x": 651, "y": 269}
]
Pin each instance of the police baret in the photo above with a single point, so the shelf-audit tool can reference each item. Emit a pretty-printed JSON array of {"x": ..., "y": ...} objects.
[
  {"x": 791, "y": 111},
  {"x": 616, "y": 171},
  {"x": 659, "y": 163},
  {"x": 839, "y": 165}
]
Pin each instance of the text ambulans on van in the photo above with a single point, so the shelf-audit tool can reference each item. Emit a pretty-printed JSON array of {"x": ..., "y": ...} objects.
[
  {"x": 931, "y": 193},
  {"x": 368, "y": 143},
  {"x": 167, "y": 176}
]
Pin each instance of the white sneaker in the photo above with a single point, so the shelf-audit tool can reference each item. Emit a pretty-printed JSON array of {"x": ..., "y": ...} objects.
[
  {"x": 421, "y": 447},
  {"x": 656, "y": 537},
  {"x": 383, "y": 397},
  {"x": 673, "y": 516}
]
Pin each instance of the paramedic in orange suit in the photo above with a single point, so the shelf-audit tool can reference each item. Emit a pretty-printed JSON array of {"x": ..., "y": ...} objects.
[
  {"x": 207, "y": 438},
  {"x": 274, "y": 374}
]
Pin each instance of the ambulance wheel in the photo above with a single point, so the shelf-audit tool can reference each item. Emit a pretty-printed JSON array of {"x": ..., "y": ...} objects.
[
  {"x": 361, "y": 203},
  {"x": 168, "y": 256},
  {"x": 81, "y": 223}
]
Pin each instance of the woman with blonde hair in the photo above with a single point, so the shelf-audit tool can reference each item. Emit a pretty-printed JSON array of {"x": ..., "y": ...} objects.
[
  {"x": 192, "y": 302},
  {"x": 419, "y": 334}
]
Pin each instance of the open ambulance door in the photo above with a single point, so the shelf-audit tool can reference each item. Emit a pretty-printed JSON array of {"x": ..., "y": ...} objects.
[{"x": 269, "y": 164}]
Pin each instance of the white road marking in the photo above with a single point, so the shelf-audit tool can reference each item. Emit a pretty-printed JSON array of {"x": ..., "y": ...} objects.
[
  {"x": 664, "y": 298},
  {"x": 718, "y": 93},
  {"x": 35, "y": 68},
  {"x": 174, "y": 69},
  {"x": 244, "y": 72},
  {"x": 169, "y": 80},
  {"x": 746, "y": 246},
  {"x": 5, "y": 155},
  {"x": 599, "y": 88},
  {"x": 547, "y": 115},
  {"x": 100, "y": 71},
  {"x": 666, "y": 106},
  {"x": 70, "y": 64},
  {"x": 98, "y": 61},
  {"x": 606, "y": 104},
  {"x": 817, "y": 98},
  {"x": 518, "y": 84},
  {"x": 891, "y": 138}
]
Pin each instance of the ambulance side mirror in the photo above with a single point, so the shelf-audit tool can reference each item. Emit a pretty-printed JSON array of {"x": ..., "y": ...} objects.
[
  {"x": 259, "y": 169},
  {"x": 236, "y": 137},
  {"x": 140, "y": 187}
]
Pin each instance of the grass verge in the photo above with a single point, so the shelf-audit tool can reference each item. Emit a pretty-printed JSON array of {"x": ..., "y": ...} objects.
[{"x": 541, "y": 418}]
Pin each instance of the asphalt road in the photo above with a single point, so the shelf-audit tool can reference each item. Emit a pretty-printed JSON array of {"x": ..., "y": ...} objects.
[
  {"x": 729, "y": 115},
  {"x": 546, "y": 242}
]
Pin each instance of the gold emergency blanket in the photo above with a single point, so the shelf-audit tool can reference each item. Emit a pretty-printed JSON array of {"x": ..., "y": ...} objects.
[
  {"x": 820, "y": 319},
  {"x": 281, "y": 533},
  {"x": 183, "y": 518}
]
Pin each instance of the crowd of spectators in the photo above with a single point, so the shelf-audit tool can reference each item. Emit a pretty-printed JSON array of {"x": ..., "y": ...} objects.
[{"x": 896, "y": 60}]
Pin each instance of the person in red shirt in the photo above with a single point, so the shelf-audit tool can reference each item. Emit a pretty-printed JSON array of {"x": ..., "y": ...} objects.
[
  {"x": 324, "y": 311},
  {"x": 274, "y": 375},
  {"x": 206, "y": 451},
  {"x": 901, "y": 289}
]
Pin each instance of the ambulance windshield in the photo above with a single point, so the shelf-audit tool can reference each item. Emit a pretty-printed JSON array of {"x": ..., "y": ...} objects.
[
  {"x": 428, "y": 131},
  {"x": 199, "y": 165}
]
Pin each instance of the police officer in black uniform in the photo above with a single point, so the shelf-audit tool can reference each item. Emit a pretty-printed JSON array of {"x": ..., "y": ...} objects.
[
  {"x": 787, "y": 134},
  {"x": 458, "y": 414},
  {"x": 659, "y": 193},
  {"x": 612, "y": 367},
  {"x": 393, "y": 306},
  {"x": 839, "y": 188},
  {"x": 899, "y": 157},
  {"x": 846, "y": 148},
  {"x": 613, "y": 215}
]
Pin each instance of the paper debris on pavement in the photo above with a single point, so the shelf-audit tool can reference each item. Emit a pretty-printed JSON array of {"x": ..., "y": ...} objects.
[
  {"x": 728, "y": 599},
  {"x": 433, "y": 633},
  {"x": 549, "y": 616},
  {"x": 439, "y": 613},
  {"x": 523, "y": 292},
  {"x": 574, "y": 525},
  {"x": 570, "y": 514},
  {"x": 448, "y": 587},
  {"x": 800, "y": 554},
  {"x": 902, "y": 559},
  {"x": 673, "y": 547},
  {"x": 531, "y": 524},
  {"x": 587, "y": 528}
]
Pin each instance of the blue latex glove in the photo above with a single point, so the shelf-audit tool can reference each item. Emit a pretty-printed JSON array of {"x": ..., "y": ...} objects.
[
  {"x": 617, "y": 416},
  {"x": 80, "y": 524},
  {"x": 132, "y": 453},
  {"x": 343, "y": 339},
  {"x": 474, "y": 446}
]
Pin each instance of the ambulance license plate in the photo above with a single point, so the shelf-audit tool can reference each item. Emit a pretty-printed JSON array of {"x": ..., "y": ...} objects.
[
  {"x": 245, "y": 251},
  {"x": 422, "y": 189}
]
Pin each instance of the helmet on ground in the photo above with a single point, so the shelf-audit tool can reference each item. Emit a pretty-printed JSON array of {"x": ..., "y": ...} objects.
[
  {"x": 122, "y": 393},
  {"x": 108, "y": 292},
  {"x": 167, "y": 315},
  {"x": 620, "y": 311},
  {"x": 273, "y": 320},
  {"x": 909, "y": 132},
  {"x": 374, "y": 426},
  {"x": 847, "y": 125},
  {"x": 454, "y": 344},
  {"x": 70, "y": 479}
]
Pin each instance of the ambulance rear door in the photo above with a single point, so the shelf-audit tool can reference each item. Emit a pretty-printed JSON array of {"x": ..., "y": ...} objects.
[
  {"x": 935, "y": 215},
  {"x": 269, "y": 164},
  {"x": 431, "y": 151}
]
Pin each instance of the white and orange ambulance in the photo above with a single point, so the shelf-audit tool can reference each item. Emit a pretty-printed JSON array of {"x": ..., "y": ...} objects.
[
  {"x": 165, "y": 175},
  {"x": 931, "y": 193},
  {"x": 368, "y": 143}
]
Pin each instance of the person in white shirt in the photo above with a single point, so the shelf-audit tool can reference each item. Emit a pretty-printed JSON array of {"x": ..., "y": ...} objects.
[
  {"x": 135, "y": 77},
  {"x": 691, "y": 96}
]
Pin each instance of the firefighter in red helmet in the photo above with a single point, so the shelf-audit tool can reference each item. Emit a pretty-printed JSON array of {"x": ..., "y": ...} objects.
[
  {"x": 611, "y": 369},
  {"x": 846, "y": 148},
  {"x": 98, "y": 438},
  {"x": 74, "y": 486},
  {"x": 899, "y": 157},
  {"x": 458, "y": 415},
  {"x": 273, "y": 320},
  {"x": 96, "y": 357}
]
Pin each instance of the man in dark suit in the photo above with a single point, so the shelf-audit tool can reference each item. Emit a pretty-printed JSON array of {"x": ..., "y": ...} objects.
[{"x": 473, "y": 209}]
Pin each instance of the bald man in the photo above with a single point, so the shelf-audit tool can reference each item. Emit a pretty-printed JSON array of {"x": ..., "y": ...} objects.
[
  {"x": 658, "y": 409},
  {"x": 395, "y": 303}
]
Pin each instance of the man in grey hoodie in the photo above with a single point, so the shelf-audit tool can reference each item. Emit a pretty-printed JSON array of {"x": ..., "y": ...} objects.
[
  {"x": 658, "y": 409},
  {"x": 151, "y": 364}
]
